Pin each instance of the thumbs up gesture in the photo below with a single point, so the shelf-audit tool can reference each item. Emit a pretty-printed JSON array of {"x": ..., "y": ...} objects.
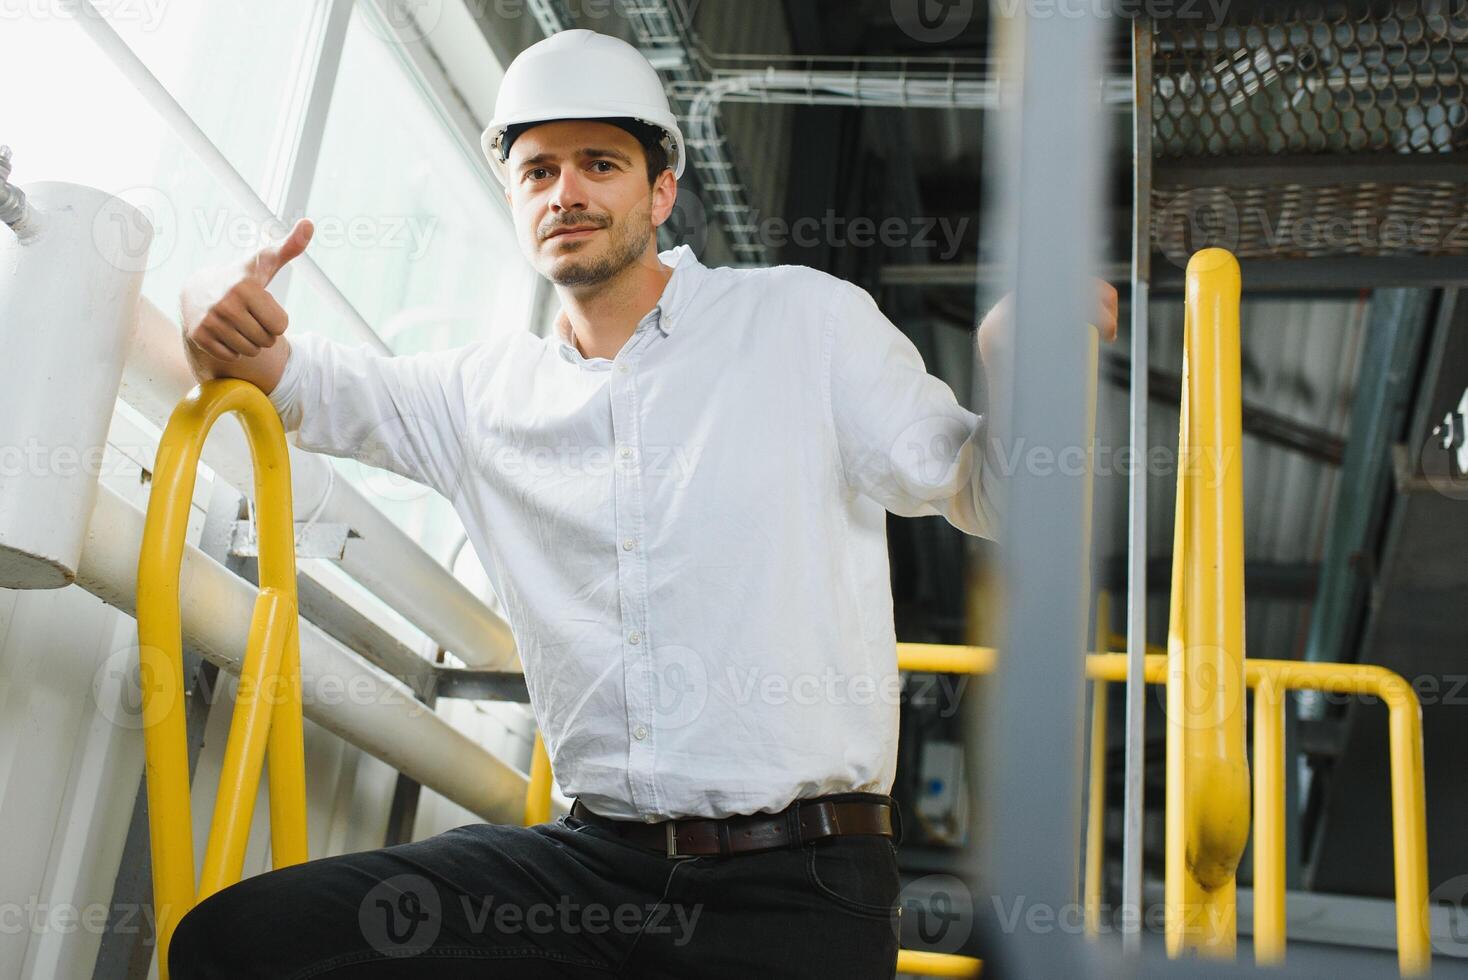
[{"x": 226, "y": 311}]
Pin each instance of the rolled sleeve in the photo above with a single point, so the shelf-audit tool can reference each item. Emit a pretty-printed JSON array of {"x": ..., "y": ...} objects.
[
  {"x": 403, "y": 414},
  {"x": 903, "y": 438}
]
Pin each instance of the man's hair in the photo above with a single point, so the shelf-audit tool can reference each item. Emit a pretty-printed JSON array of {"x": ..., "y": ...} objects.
[{"x": 649, "y": 136}]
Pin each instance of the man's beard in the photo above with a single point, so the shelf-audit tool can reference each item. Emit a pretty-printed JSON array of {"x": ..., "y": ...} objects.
[{"x": 627, "y": 246}]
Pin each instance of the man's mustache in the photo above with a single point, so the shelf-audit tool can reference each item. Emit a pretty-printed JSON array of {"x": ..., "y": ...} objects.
[{"x": 579, "y": 223}]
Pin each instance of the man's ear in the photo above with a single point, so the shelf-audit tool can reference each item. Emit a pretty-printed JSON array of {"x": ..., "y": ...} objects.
[{"x": 664, "y": 196}]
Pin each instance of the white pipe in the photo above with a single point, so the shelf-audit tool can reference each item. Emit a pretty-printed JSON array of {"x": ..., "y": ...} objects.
[
  {"x": 340, "y": 692},
  {"x": 15, "y": 211},
  {"x": 384, "y": 559},
  {"x": 68, "y": 292}
]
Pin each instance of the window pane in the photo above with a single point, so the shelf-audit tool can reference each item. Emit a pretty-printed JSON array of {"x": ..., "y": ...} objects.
[
  {"x": 405, "y": 226},
  {"x": 69, "y": 115},
  {"x": 410, "y": 232}
]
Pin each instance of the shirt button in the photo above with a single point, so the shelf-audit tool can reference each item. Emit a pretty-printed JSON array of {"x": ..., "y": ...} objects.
[
  {"x": 626, "y": 452},
  {"x": 634, "y": 637},
  {"x": 650, "y": 818},
  {"x": 622, "y": 369},
  {"x": 640, "y": 733},
  {"x": 628, "y": 544}
]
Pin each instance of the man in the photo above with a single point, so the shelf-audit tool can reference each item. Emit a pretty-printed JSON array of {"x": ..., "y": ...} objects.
[{"x": 679, "y": 497}]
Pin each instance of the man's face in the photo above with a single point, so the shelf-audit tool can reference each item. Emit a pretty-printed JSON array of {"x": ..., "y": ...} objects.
[{"x": 582, "y": 206}]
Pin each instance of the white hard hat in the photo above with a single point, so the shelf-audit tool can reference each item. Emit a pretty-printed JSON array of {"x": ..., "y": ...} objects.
[{"x": 580, "y": 75}]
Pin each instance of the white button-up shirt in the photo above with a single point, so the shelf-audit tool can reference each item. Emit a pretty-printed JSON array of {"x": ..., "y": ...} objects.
[{"x": 688, "y": 539}]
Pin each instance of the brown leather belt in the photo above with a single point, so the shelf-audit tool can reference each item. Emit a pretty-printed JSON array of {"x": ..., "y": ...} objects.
[{"x": 801, "y": 822}]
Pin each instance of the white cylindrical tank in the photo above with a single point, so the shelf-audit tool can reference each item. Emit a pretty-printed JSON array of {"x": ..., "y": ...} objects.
[{"x": 68, "y": 301}]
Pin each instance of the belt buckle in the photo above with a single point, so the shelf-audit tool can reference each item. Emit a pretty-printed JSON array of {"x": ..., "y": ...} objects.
[{"x": 671, "y": 832}]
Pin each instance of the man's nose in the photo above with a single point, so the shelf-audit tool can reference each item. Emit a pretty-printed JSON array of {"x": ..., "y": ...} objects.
[{"x": 569, "y": 193}]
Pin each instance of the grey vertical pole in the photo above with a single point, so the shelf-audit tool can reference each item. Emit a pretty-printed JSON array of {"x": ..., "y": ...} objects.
[
  {"x": 1133, "y": 801},
  {"x": 1050, "y": 187}
]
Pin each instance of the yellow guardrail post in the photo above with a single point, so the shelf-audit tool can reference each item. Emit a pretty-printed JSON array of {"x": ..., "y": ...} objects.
[
  {"x": 1096, "y": 794},
  {"x": 1269, "y": 822},
  {"x": 267, "y": 714},
  {"x": 538, "y": 791},
  {"x": 1207, "y": 801}
]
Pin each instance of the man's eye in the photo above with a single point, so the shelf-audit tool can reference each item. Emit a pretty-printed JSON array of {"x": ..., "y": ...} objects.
[
  {"x": 604, "y": 163},
  {"x": 539, "y": 173}
]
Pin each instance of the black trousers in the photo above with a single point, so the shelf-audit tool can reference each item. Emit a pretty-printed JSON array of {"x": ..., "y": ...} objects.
[{"x": 566, "y": 899}]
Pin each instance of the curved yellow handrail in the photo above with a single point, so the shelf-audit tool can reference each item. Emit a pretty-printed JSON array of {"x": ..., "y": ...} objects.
[
  {"x": 1273, "y": 677},
  {"x": 269, "y": 676}
]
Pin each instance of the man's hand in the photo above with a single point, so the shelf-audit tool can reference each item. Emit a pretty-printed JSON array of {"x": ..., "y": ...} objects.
[
  {"x": 995, "y": 332},
  {"x": 1106, "y": 315},
  {"x": 229, "y": 318}
]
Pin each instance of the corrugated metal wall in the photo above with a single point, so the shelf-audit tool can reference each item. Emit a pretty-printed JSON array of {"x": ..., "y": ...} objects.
[{"x": 1300, "y": 359}]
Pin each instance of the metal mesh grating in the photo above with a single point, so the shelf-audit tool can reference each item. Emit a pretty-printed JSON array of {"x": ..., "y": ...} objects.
[
  {"x": 1292, "y": 221},
  {"x": 1314, "y": 78},
  {"x": 1313, "y": 130}
]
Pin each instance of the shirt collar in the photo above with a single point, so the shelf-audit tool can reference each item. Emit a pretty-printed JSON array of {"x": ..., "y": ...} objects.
[{"x": 677, "y": 295}]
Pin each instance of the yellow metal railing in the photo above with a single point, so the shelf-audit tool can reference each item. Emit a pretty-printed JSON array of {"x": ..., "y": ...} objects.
[
  {"x": 267, "y": 714},
  {"x": 1270, "y": 679},
  {"x": 1207, "y": 758}
]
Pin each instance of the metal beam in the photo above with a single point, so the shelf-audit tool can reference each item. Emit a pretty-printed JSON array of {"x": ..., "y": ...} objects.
[
  {"x": 1263, "y": 423},
  {"x": 1398, "y": 323},
  {"x": 1310, "y": 170},
  {"x": 1338, "y": 274},
  {"x": 1051, "y": 146}
]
